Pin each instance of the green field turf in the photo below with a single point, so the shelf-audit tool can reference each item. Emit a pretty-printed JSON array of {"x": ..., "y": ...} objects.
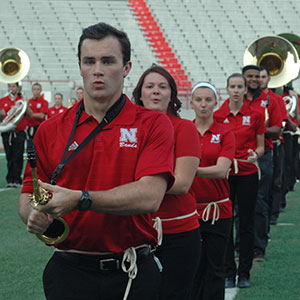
[{"x": 23, "y": 256}]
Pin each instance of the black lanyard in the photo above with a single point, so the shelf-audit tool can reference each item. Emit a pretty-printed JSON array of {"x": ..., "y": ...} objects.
[{"x": 109, "y": 116}]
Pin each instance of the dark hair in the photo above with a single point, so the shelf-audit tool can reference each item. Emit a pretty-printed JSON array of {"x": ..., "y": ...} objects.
[
  {"x": 250, "y": 67},
  {"x": 16, "y": 83},
  {"x": 234, "y": 75},
  {"x": 59, "y": 94},
  {"x": 264, "y": 69},
  {"x": 175, "y": 104},
  {"x": 102, "y": 30},
  {"x": 79, "y": 88},
  {"x": 36, "y": 83}
]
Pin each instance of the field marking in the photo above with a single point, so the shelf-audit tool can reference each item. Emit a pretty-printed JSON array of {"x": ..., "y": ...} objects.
[
  {"x": 230, "y": 293},
  {"x": 285, "y": 224}
]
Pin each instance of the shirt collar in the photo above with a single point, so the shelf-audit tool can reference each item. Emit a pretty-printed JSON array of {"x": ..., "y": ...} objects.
[{"x": 125, "y": 117}]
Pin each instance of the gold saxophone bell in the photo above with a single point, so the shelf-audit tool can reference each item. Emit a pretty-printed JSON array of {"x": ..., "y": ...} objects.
[{"x": 59, "y": 229}]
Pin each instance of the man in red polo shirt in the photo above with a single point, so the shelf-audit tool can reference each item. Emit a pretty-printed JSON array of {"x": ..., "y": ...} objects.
[
  {"x": 39, "y": 108},
  {"x": 58, "y": 107},
  {"x": 278, "y": 150},
  {"x": 13, "y": 140},
  {"x": 108, "y": 191},
  {"x": 259, "y": 100}
]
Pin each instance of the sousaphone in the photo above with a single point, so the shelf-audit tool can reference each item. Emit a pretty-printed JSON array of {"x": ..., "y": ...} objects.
[
  {"x": 277, "y": 55},
  {"x": 14, "y": 65}
]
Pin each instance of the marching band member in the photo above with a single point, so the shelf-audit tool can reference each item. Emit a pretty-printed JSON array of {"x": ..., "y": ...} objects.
[
  {"x": 248, "y": 128},
  {"x": 179, "y": 252},
  {"x": 109, "y": 189},
  {"x": 39, "y": 108},
  {"x": 270, "y": 110},
  {"x": 58, "y": 107},
  {"x": 13, "y": 140},
  {"x": 211, "y": 190}
]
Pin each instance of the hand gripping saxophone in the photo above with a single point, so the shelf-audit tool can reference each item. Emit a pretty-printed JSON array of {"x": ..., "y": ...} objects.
[{"x": 58, "y": 230}]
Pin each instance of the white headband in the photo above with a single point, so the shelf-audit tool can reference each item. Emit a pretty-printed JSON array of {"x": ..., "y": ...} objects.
[{"x": 207, "y": 85}]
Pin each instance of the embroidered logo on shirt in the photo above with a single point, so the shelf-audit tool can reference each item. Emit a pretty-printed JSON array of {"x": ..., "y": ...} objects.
[
  {"x": 246, "y": 120},
  {"x": 263, "y": 103},
  {"x": 128, "y": 137},
  {"x": 226, "y": 121},
  {"x": 215, "y": 138},
  {"x": 73, "y": 146},
  {"x": 39, "y": 105}
]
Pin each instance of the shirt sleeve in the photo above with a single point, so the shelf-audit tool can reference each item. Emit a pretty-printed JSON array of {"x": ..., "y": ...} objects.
[
  {"x": 228, "y": 146},
  {"x": 275, "y": 115},
  {"x": 157, "y": 153},
  {"x": 186, "y": 139},
  {"x": 260, "y": 127}
]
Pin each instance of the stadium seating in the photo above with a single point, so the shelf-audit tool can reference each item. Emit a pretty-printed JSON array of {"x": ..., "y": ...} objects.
[{"x": 196, "y": 39}]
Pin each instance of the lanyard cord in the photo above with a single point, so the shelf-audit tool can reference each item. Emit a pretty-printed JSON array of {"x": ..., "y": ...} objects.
[{"x": 110, "y": 115}]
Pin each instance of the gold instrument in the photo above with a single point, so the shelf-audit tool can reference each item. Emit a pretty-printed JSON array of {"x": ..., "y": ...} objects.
[
  {"x": 291, "y": 104},
  {"x": 59, "y": 229},
  {"x": 277, "y": 55},
  {"x": 14, "y": 116},
  {"x": 14, "y": 65}
]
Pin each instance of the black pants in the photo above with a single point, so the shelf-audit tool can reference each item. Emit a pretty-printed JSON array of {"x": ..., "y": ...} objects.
[
  {"x": 243, "y": 191},
  {"x": 277, "y": 193},
  {"x": 13, "y": 142},
  {"x": 263, "y": 203},
  {"x": 31, "y": 131},
  {"x": 64, "y": 280},
  {"x": 209, "y": 283},
  {"x": 179, "y": 255}
]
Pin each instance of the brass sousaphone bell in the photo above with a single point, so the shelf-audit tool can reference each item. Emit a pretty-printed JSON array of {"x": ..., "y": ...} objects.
[
  {"x": 277, "y": 55},
  {"x": 291, "y": 102},
  {"x": 14, "y": 65}
]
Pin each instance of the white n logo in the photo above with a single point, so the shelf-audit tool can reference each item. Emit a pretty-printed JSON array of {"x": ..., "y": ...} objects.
[
  {"x": 246, "y": 120},
  {"x": 128, "y": 135},
  {"x": 215, "y": 138}
]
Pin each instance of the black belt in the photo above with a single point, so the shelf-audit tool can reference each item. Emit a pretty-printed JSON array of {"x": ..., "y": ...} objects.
[{"x": 105, "y": 263}]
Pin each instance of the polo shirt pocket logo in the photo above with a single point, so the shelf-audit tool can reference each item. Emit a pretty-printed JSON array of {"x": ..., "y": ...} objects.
[
  {"x": 215, "y": 138},
  {"x": 128, "y": 137},
  {"x": 246, "y": 120}
]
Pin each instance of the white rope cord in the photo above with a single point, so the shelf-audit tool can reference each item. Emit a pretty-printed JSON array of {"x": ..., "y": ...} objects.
[
  {"x": 216, "y": 212},
  {"x": 129, "y": 256},
  {"x": 158, "y": 226},
  {"x": 236, "y": 168}
]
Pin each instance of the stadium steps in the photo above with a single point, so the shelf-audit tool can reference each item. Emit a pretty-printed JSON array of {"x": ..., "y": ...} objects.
[{"x": 160, "y": 45}]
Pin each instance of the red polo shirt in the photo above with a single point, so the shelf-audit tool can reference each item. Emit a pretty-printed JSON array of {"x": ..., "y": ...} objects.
[
  {"x": 259, "y": 103},
  {"x": 53, "y": 111},
  {"x": 246, "y": 125},
  {"x": 39, "y": 105},
  {"x": 216, "y": 142},
  {"x": 173, "y": 206},
  {"x": 6, "y": 103},
  {"x": 138, "y": 142},
  {"x": 283, "y": 110}
]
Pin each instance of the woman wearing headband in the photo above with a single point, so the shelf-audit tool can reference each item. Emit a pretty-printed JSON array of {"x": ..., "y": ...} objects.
[
  {"x": 211, "y": 189},
  {"x": 248, "y": 127},
  {"x": 180, "y": 250}
]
